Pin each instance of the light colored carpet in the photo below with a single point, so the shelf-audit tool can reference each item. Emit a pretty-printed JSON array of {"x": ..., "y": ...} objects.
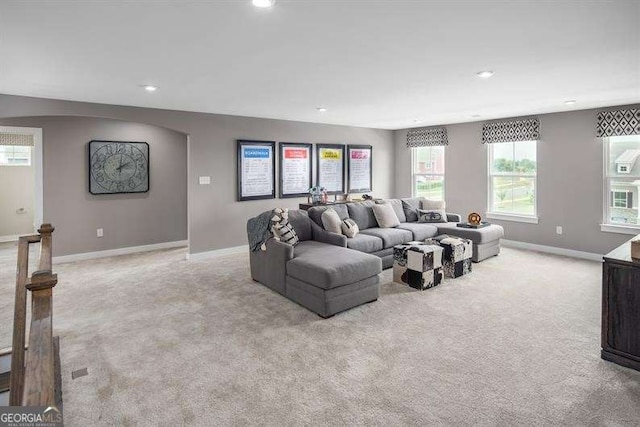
[{"x": 173, "y": 342}]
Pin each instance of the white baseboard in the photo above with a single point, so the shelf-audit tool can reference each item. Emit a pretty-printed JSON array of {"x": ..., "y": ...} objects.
[
  {"x": 4, "y": 239},
  {"x": 551, "y": 250},
  {"x": 218, "y": 252},
  {"x": 119, "y": 251}
]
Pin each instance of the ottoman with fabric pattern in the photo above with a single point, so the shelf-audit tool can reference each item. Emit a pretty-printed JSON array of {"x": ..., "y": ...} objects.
[
  {"x": 417, "y": 265},
  {"x": 457, "y": 255}
]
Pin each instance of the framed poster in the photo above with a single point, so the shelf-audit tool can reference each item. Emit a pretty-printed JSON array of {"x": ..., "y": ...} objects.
[
  {"x": 295, "y": 169},
  {"x": 256, "y": 177},
  {"x": 330, "y": 167},
  {"x": 118, "y": 167},
  {"x": 359, "y": 168}
]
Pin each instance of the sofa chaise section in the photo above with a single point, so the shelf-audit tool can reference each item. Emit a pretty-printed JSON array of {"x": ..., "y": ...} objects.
[{"x": 320, "y": 272}]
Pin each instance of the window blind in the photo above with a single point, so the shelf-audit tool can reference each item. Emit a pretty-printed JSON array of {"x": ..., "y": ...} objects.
[
  {"x": 427, "y": 137},
  {"x": 16, "y": 139},
  {"x": 618, "y": 122},
  {"x": 511, "y": 130}
]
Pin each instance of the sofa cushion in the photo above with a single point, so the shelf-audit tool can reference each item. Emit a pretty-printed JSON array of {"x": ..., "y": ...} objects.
[
  {"x": 362, "y": 214},
  {"x": 349, "y": 228},
  {"x": 331, "y": 221},
  {"x": 390, "y": 236},
  {"x": 315, "y": 212},
  {"x": 421, "y": 231},
  {"x": 410, "y": 207},
  {"x": 327, "y": 266},
  {"x": 396, "y": 204},
  {"x": 300, "y": 222},
  {"x": 365, "y": 243},
  {"x": 385, "y": 216},
  {"x": 478, "y": 236}
]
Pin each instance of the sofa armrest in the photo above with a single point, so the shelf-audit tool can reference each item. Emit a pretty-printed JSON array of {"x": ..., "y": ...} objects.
[
  {"x": 451, "y": 217},
  {"x": 269, "y": 267},
  {"x": 324, "y": 236}
]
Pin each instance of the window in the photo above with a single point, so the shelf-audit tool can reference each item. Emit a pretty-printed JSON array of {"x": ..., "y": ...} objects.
[
  {"x": 15, "y": 155},
  {"x": 512, "y": 178},
  {"x": 622, "y": 180},
  {"x": 428, "y": 172}
]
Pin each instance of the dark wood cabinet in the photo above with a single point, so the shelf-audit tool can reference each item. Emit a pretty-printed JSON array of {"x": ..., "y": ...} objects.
[{"x": 621, "y": 307}]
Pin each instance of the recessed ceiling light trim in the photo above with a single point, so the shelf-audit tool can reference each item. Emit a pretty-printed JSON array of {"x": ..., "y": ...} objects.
[
  {"x": 570, "y": 102},
  {"x": 150, "y": 88},
  {"x": 263, "y": 3},
  {"x": 485, "y": 74},
  {"x": 322, "y": 109}
]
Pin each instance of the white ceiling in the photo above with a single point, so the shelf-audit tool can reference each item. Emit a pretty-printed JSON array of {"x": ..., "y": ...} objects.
[{"x": 379, "y": 64}]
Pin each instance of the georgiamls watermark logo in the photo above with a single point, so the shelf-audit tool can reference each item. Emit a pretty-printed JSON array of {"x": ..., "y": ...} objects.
[{"x": 30, "y": 416}]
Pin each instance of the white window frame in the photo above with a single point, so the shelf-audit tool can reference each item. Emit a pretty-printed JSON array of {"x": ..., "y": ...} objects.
[
  {"x": 507, "y": 216},
  {"x": 30, "y": 162},
  {"x": 414, "y": 174},
  {"x": 607, "y": 226}
]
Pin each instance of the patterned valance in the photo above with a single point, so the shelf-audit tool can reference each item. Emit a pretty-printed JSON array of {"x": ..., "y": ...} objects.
[
  {"x": 511, "y": 130},
  {"x": 16, "y": 139},
  {"x": 427, "y": 137},
  {"x": 618, "y": 122}
]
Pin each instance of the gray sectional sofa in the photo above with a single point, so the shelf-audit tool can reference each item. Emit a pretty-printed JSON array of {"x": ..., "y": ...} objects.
[
  {"x": 380, "y": 241},
  {"x": 328, "y": 272}
]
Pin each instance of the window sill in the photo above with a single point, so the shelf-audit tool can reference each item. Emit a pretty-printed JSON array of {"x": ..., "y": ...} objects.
[
  {"x": 510, "y": 217},
  {"x": 620, "y": 229}
]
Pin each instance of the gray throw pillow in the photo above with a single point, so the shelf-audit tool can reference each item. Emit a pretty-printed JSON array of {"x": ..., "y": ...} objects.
[
  {"x": 432, "y": 215},
  {"x": 410, "y": 207}
]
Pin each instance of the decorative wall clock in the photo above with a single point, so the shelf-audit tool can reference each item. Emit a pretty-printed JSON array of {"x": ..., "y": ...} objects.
[{"x": 118, "y": 167}]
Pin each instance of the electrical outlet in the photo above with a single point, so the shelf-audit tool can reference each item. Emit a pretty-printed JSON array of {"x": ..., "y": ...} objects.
[
  {"x": 100, "y": 232},
  {"x": 205, "y": 180},
  {"x": 559, "y": 229}
]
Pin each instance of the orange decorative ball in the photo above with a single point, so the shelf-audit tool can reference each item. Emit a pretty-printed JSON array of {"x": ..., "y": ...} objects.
[{"x": 474, "y": 218}]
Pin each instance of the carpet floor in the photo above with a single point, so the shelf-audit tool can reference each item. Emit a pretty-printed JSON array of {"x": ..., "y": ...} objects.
[{"x": 172, "y": 342}]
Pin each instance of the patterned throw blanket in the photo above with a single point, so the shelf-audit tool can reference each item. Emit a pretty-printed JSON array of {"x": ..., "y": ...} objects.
[{"x": 259, "y": 230}]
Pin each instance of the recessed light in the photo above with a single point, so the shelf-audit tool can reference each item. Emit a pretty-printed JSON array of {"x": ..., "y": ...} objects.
[
  {"x": 322, "y": 109},
  {"x": 150, "y": 88},
  {"x": 263, "y": 3},
  {"x": 484, "y": 74},
  {"x": 474, "y": 116},
  {"x": 570, "y": 102}
]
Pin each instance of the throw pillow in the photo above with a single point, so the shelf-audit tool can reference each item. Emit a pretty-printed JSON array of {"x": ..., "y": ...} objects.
[
  {"x": 282, "y": 229},
  {"x": 349, "y": 228},
  {"x": 396, "y": 204},
  {"x": 386, "y": 216},
  {"x": 410, "y": 208},
  {"x": 432, "y": 215},
  {"x": 431, "y": 205},
  {"x": 331, "y": 221}
]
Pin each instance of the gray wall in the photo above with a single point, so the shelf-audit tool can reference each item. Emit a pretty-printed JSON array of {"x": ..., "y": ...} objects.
[
  {"x": 570, "y": 181},
  {"x": 216, "y": 220},
  {"x": 17, "y": 191},
  {"x": 127, "y": 219}
]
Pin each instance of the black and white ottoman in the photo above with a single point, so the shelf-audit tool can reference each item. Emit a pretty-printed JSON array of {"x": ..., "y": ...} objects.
[
  {"x": 457, "y": 255},
  {"x": 417, "y": 265}
]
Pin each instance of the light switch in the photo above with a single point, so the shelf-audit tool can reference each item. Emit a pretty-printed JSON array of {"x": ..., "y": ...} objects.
[{"x": 205, "y": 180}]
